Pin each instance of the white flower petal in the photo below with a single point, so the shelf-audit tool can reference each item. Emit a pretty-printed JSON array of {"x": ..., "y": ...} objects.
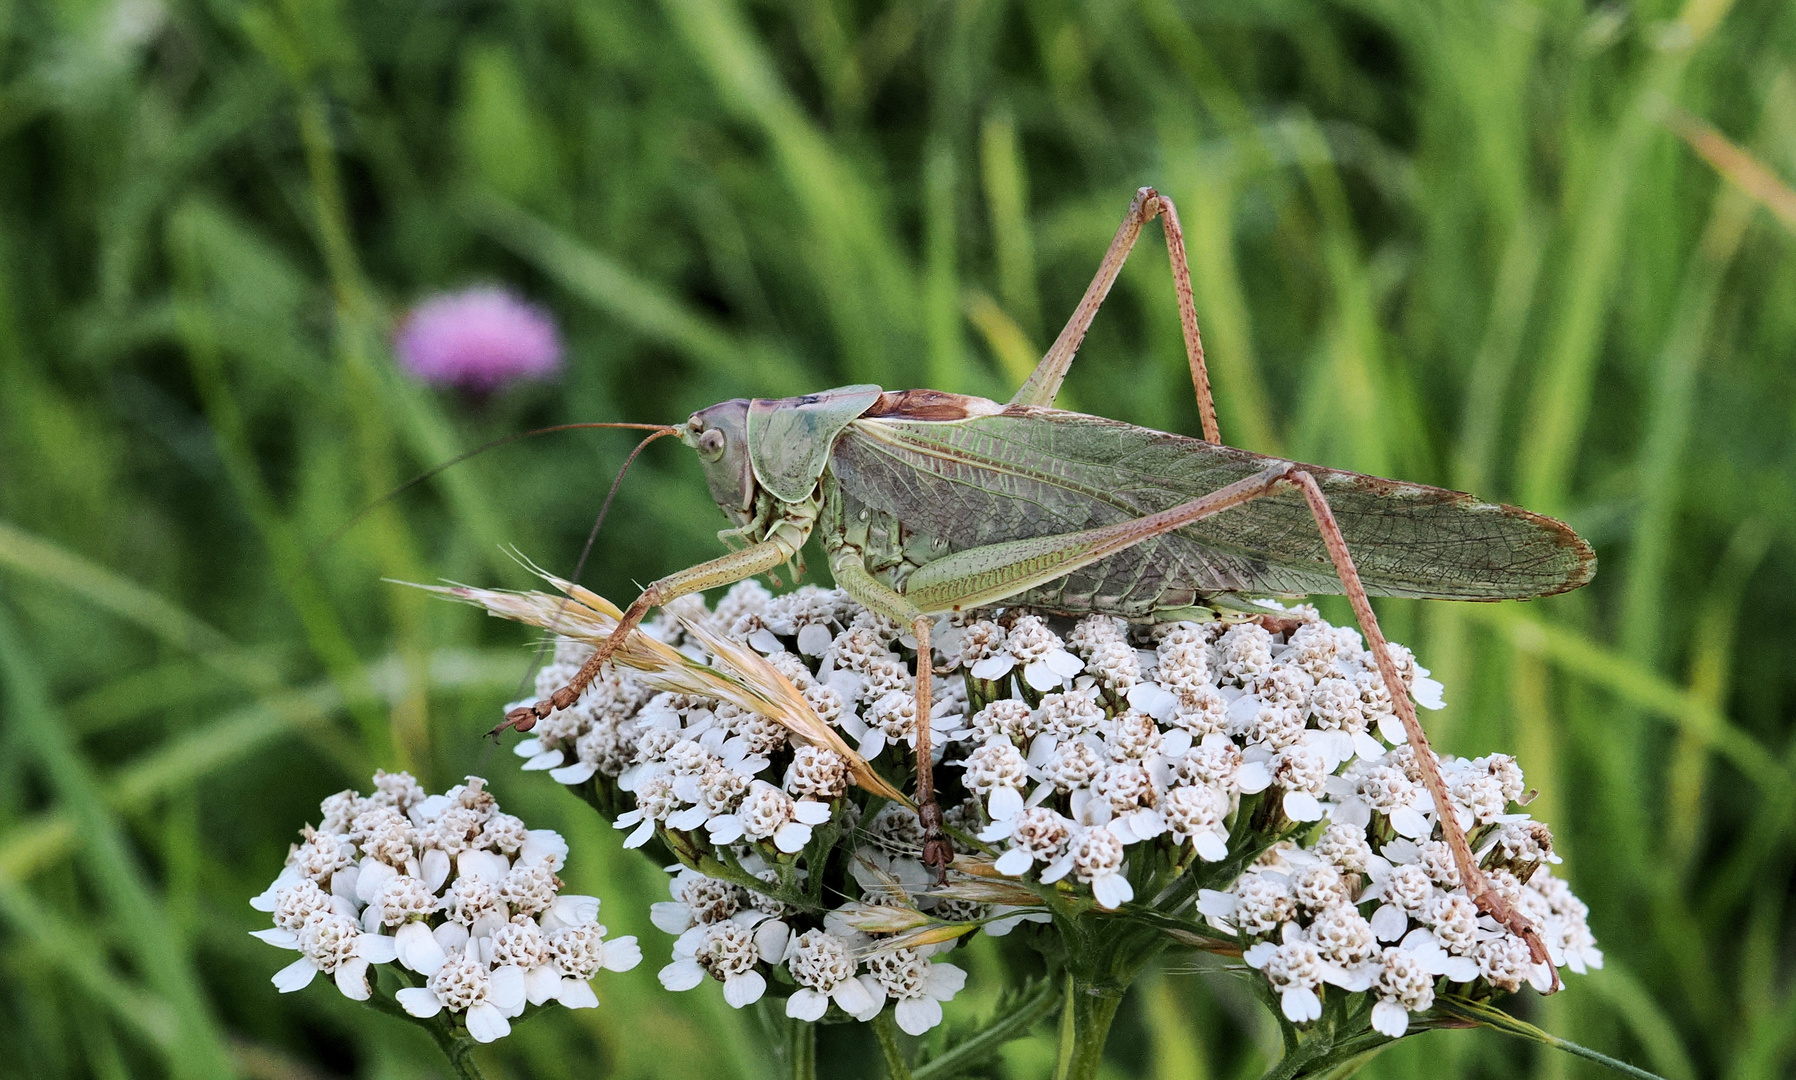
[
  {"x": 528, "y": 748},
  {"x": 505, "y": 988},
  {"x": 417, "y": 949},
  {"x": 811, "y": 812},
  {"x": 814, "y": 639},
  {"x": 1300, "y": 1004},
  {"x": 548, "y": 759},
  {"x": 487, "y": 1023},
  {"x": 295, "y": 976},
  {"x": 770, "y": 939},
  {"x": 1013, "y": 863},
  {"x": 280, "y": 939},
  {"x": 1004, "y": 803},
  {"x": 450, "y": 936},
  {"x": 1390, "y": 1019},
  {"x": 744, "y": 989},
  {"x": 945, "y": 980},
  {"x": 1253, "y": 777},
  {"x": 352, "y": 979},
  {"x": 419, "y": 1001},
  {"x": 852, "y": 996},
  {"x": 1221, "y": 905},
  {"x": 622, "y": 954},
  {"x": 1302, "y": 806},
  {"x": 670, "y": 916},
  {"x": 573, "y": 775},
  {"x": 643, "y": 834},
  {"x": 1112, "y": 891},
  {"x": 682, "y": 975},
  {"x": 688, "y": 819},
  {"x": 577, "y": 994},
  {"x": 1175, "y": 743},
  {"x": 1408, "y": 822},
  {"x": 792, "y": 837},
  {"x": 917, "y": 1015},
  {"x": 1211, "y": 847},
  {"x": 1041, "y": 676},
  {"x": 542, "y": 983},
  {"x": 724, "y": 829},
  {"x": 369, "y": 878},
  {"x": 377, "y": 948},
  {"x": 994, "y": 667},
  {"x": 807, "y": 1005},
  {"x": 1389, "y": 923}
]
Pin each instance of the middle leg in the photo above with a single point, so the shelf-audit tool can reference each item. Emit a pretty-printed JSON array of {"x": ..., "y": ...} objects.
[{"x": 853, "y": 578}]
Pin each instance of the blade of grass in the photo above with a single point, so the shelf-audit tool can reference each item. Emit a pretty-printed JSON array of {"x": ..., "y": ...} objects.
[
  {"x": 1559, "y": 406},
  {"x": 871, "y": 293},
  {"x": 113, "y": 869},
  {"x": 1747, "y": 173},
  {"x": 1007, "y": 201},
  {"x": 642, "y": 306},
  {"x": 1628, "y": 681},
  {"x": 29, "y": 846},
  {"x": 48, "y": 561}
]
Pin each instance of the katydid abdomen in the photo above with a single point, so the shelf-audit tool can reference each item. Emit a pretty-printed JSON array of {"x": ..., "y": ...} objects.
[{"x": 921, "y": 476}]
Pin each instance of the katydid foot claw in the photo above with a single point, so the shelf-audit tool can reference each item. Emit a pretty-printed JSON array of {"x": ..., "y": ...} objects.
[
  {"x": 937, "y": 851},
  {"x": 937, "y": 854},
  {"x": 520, "y": 719}
]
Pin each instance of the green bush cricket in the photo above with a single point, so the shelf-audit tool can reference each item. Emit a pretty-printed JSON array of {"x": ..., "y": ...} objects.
[{"x": 928, "y": 502}]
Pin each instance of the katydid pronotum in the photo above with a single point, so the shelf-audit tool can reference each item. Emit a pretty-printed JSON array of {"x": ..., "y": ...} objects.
[{"x": 928, "y": 502}]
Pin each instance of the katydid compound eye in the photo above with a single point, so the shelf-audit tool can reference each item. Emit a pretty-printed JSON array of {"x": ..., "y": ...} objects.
[{"x": 710, "y": 445}]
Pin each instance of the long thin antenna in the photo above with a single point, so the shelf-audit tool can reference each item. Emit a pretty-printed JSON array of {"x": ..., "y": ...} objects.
[
  {"x": 359, "y": 515},
  {"x": 591, "y": 538}
]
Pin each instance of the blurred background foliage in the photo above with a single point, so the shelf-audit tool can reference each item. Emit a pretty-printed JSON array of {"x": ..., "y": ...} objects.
[{"x": 1456, "y": 243}]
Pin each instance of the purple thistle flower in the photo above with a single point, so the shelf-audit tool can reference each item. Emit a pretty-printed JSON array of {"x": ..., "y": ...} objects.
[{"x": 480, "y": 338}]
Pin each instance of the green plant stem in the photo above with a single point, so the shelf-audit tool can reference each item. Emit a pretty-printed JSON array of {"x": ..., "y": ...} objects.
[
  {"x": 460, "y": 1052},
  {"x": 887, "y": 1032},
  {"x": 801, "y": 1049},
  {"x": 1094, "y": 1008}
]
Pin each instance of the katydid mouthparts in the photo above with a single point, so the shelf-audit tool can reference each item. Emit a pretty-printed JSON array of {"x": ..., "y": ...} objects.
[{"x": 928, "y": 502}]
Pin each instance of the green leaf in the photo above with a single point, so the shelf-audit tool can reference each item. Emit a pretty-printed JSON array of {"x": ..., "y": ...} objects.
[{"x": 1497, "y": 1020}]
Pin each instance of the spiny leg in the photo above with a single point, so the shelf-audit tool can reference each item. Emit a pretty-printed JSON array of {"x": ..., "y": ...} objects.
[
  {"x": 731, "y": 568},
  {"x": 1476, "y": 885},
  {"x": 853, "y": 578},
  {"x": 1044, "y": 382},
  {"x": 987, "y": 575}
]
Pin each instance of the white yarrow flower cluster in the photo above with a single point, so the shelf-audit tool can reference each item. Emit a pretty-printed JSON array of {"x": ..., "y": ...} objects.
[
  {"x": 1085, "y": 767},
  {"x": 460, "y": 895}
]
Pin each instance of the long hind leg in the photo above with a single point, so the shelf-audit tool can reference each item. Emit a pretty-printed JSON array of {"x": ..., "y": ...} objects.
[
  {"x": 1470, "y": 875},
  {"x": 1045, "y": 381},
  {"x": 989, "y": 575}
]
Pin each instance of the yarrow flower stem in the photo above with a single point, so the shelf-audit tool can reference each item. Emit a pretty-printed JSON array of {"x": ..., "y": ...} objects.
[
  {"x": 456, "y": 1046},
  {"x": 1244, "y": 786}
]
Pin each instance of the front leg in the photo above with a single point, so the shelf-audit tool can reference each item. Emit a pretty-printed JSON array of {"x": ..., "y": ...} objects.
[
  {"x": 759, "y": 559},
  {"x": 853, "y": 578}
]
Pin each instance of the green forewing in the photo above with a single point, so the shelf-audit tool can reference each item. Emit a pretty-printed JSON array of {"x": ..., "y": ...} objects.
[
  {"x": 1037, "y": 472},
  {"x": 789, "y": 438}
]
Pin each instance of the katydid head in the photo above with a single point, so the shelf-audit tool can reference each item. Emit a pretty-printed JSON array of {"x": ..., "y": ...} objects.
[{"x": 720, "y": 435}]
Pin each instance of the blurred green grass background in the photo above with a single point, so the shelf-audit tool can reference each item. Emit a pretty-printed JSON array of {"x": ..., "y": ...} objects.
[{"x": 1455, "y": 243}]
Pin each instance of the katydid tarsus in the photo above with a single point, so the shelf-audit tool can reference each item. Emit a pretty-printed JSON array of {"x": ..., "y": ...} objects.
[{"x": 928, "y": 502}]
